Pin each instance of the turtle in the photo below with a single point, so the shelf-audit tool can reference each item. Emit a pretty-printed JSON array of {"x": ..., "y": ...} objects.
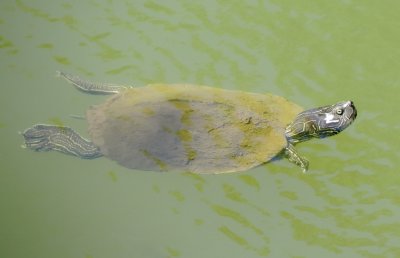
[{"x": 190, "y": 128}]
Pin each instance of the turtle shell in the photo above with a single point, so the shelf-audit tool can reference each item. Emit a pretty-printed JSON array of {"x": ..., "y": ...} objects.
[{"x": 190, "y": 128}]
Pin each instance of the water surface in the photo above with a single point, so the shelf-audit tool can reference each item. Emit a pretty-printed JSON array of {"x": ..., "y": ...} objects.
[{"x": 312, "y": 53}]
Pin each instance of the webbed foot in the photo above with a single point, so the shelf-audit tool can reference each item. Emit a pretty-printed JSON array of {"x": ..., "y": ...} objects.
[
  {"x": 91, "y": 87},
  {"x": 294, "y": 157},
  {"x": 42, "y": 137}
]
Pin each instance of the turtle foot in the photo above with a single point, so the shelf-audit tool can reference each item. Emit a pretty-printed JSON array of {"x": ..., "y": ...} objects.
[
  {"x": 42, "y": 137},
  {"x": 295, "y": 158},
  {"x": 91, "y": 87}
]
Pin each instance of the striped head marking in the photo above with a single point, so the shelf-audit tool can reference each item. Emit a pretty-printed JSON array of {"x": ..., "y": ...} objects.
[{"x": 321, "y": 122}]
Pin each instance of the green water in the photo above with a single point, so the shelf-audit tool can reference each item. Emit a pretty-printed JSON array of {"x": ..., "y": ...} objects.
[{"x": 312, "y": 52}]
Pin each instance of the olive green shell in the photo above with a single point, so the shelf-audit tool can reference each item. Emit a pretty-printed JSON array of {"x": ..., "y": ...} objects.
[{"x": 190, "y": 128}]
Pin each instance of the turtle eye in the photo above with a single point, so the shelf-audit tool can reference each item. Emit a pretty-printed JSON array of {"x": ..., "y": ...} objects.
[{"x": 339, "y": 111}]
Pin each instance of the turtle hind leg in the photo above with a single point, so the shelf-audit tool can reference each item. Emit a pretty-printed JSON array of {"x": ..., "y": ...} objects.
[
  {"x": 58, "y": 138},
  {"x": 91, "y": 87},
  {"x": 293, "y": 156}
]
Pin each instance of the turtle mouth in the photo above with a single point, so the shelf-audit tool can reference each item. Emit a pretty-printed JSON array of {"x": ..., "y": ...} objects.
[{"x": 354, "y": 115}]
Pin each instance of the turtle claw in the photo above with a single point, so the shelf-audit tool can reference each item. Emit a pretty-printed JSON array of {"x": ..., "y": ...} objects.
[
  {"x": 304, "y": 165},
  {"x": 37, "y": 138}
]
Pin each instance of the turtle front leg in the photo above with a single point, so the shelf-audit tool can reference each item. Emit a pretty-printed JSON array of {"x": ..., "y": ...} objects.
[
  {"x": 293, "y": 156},
  {"x": 59, "y": 138},
  {"x": 91, "y": 87}
]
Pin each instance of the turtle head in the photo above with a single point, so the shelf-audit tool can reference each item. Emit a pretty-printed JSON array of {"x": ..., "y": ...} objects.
[{"x": 321, "y": 122}]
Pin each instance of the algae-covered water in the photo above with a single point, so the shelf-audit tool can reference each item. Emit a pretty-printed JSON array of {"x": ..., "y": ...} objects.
[{"x": 311, "y": 52}]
